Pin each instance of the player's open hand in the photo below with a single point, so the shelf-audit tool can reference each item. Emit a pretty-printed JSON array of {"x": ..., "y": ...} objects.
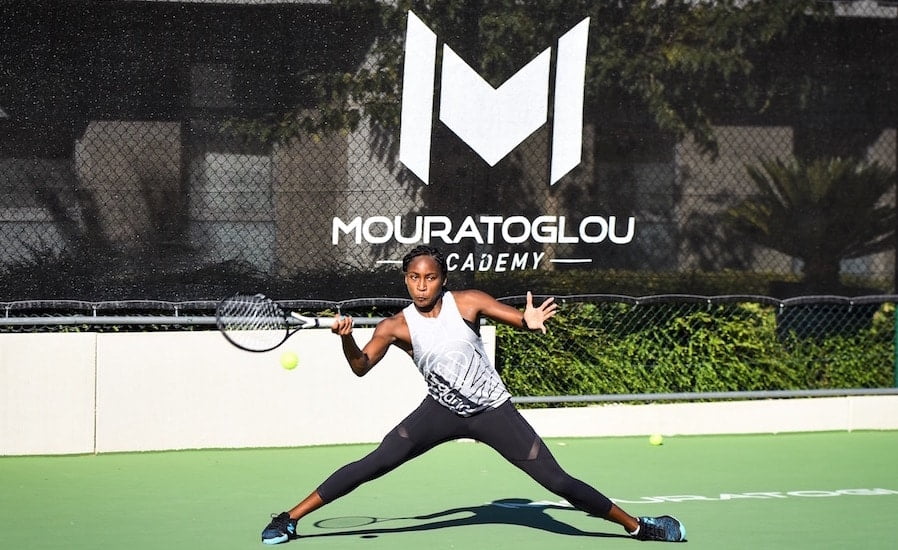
[{"x": 535, "y": 317}]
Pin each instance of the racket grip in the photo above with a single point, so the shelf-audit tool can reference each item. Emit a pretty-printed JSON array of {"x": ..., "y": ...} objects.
[
  {"x": 328, "y": 322},
  {"x": 356, "y": 321},
  {"x": 366, "y": 321}
]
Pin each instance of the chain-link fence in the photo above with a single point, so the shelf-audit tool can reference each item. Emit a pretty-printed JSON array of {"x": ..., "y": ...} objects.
[
  {"x": 606, "y": 347},
  {"x": 145, "y": 153},
  {"x": 618, "y": 348}
]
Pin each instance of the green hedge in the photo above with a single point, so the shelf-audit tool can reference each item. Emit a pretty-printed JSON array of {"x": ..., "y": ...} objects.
[{"x": 592, "y": 349}]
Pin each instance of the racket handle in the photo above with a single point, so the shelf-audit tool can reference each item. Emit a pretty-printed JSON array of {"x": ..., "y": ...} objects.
[
  {"x": 328, "y": 322},
  {"x": 365, "y": 321}
]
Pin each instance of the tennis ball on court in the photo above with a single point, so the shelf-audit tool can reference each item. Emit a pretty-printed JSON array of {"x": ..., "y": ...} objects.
[
  {"x": 656, "y": 439},
  {"x": 289, "y": 360}
]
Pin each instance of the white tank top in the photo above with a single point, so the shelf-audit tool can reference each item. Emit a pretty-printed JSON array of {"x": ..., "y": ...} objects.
[{"x": 453, "y": 360}]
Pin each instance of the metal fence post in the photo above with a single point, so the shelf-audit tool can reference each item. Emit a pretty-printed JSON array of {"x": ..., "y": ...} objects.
[{"x": 895, "y": 346}]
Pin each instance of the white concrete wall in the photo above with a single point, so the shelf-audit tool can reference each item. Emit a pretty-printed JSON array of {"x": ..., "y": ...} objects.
[
  {"x": 732, "y": 417},
  {"x": 86, "y": 392},
  {"x": 47, "y": 393}
]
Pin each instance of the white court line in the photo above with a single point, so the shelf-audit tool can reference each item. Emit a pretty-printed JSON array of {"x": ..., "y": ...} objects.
[{"x": 721, "y": 497}]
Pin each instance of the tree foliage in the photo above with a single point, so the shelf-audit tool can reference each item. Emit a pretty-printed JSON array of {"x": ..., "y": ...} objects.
[
  {"x": 665, "y": 62},
  {"x": 821, "y": 212}
]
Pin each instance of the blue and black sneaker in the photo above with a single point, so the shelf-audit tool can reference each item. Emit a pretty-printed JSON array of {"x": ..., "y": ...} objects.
[
  {"x": 280, "y": 529},
  {"x": 663, "y": 528}
]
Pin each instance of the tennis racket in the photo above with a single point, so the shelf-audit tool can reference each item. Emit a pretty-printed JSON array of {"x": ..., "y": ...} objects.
[{"x": 254, "y": 322}]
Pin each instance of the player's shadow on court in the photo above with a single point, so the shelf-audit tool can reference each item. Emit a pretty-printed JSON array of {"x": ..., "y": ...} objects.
[{"x": 511, "y": 511}]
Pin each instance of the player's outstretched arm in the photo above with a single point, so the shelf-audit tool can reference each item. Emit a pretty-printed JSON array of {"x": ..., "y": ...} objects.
[
  {"x": 362, "y": 360},
  {"x": 474, "y": 302}
]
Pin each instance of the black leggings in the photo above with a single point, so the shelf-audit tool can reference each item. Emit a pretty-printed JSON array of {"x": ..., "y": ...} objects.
[{"x": 503, "y": 429}]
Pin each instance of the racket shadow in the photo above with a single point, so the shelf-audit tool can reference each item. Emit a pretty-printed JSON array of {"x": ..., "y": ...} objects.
[{"x": 510, "y": 511}]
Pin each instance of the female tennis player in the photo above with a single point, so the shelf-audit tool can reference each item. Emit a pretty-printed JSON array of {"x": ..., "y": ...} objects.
[{"x": 466, "y": 398}]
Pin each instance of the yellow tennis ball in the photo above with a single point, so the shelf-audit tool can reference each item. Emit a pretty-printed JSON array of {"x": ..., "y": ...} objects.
[
  {"x": 289, "y": 360},
  {"x": 656, "y": 439}
]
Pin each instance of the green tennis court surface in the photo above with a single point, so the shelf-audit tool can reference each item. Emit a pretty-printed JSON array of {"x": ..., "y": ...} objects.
[{"x": 823, "y": 490}]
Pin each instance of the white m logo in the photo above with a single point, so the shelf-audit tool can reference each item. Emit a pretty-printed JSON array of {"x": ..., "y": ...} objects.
[{"x": 493, "y": 121}]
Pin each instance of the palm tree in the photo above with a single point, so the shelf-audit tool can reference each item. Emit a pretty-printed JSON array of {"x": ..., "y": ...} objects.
[{"x": 821, "y": 212}]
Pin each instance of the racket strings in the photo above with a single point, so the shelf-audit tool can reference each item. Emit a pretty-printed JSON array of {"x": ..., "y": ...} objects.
[
  {"x": 251, "y": 313},
  {"x": 253, "y": 322}
]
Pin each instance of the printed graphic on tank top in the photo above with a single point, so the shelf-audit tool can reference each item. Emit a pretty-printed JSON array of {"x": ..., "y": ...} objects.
[{"x": 453, "y": 361}]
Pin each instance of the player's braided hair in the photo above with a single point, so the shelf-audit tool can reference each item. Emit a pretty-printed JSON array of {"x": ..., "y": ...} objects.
[{"x": 424, "y": 250}]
